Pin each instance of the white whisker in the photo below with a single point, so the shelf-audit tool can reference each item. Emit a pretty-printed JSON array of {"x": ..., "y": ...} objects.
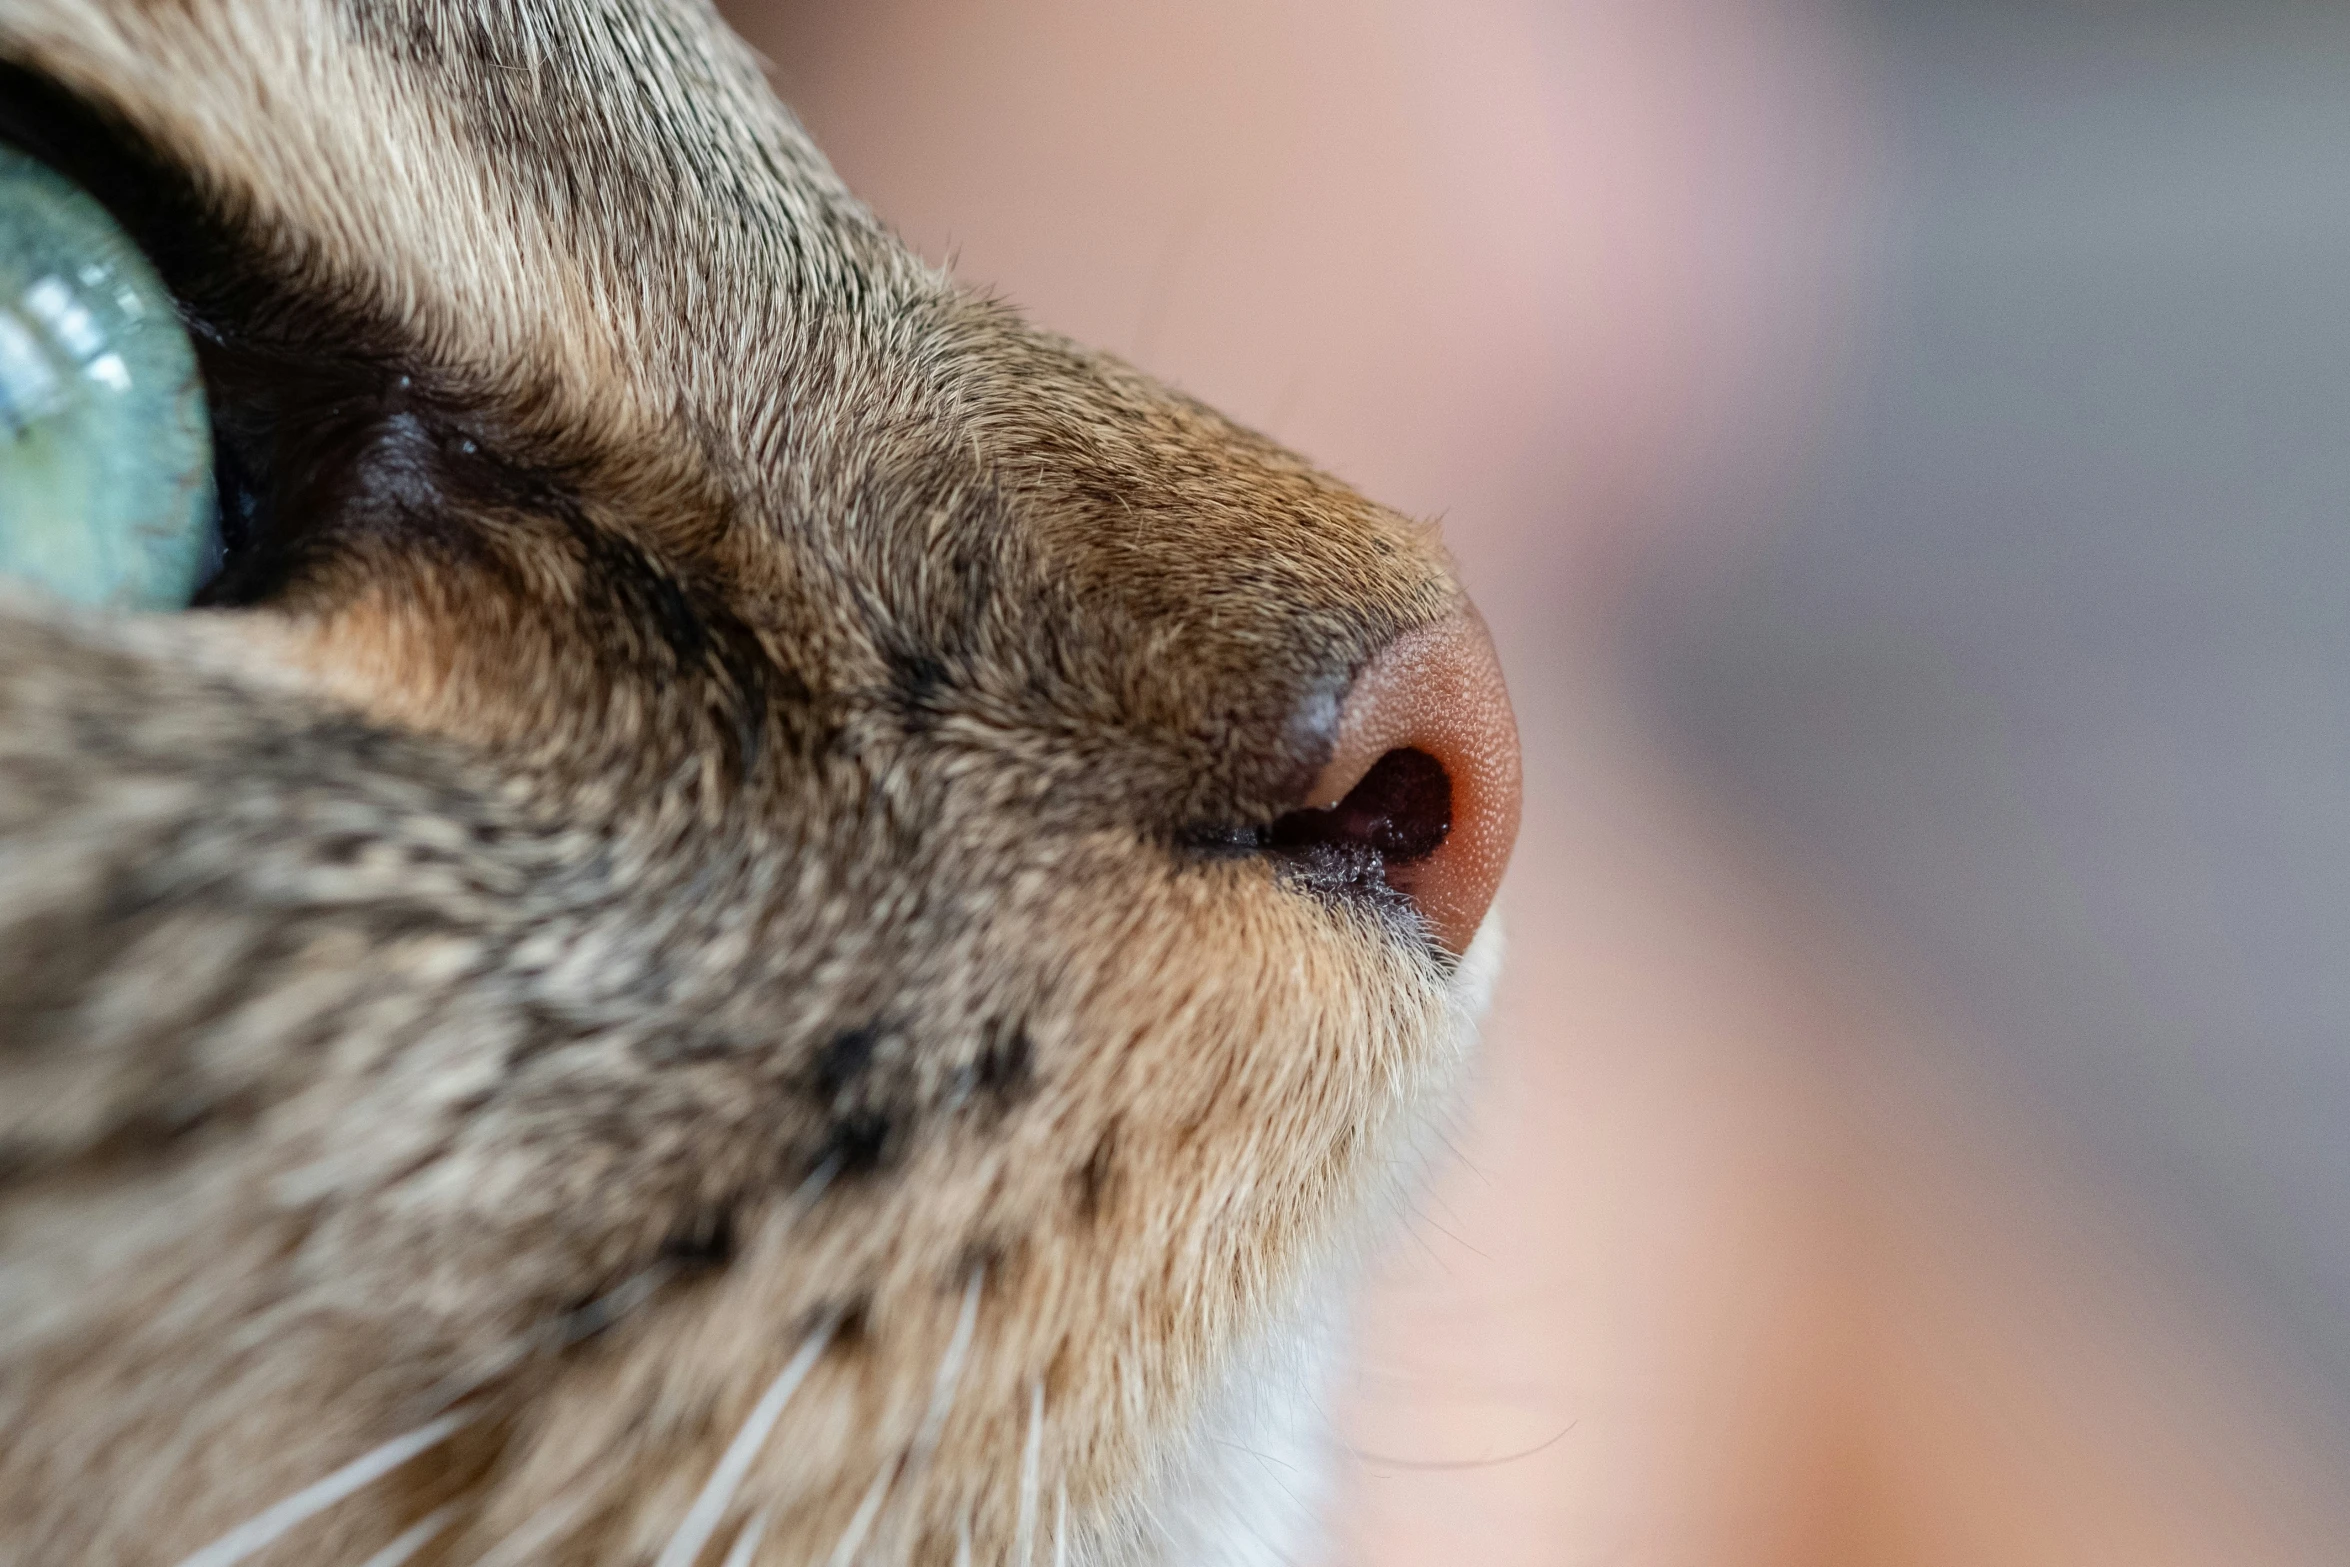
[
  {"x": 709, "y": 1508},
  {"x": 963, "y": 1542},
  {"x": 540, "y": 1528},
  {"x": 557, "y": 1334},
  {"x": 942, "y": 1398},
  {"x": 265, "y": 1527},
  {"x": 1031, "y": 1458},
  {"x": 746, "y": 1544},
  {"x": 703, "y": 1518},
  {"x": 612, "y": 1305},
  {"x": 950, "y": 1372},
  {"x": 845, "y": 1552},
  {"x": 1061, "y": 1527},
  {"x": 416, "y": 1538}
]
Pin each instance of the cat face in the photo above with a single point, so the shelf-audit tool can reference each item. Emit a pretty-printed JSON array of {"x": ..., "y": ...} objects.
[{"x": 762, "y": 901}]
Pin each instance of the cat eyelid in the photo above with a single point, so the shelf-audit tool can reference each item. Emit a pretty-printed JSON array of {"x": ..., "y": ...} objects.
[
  {"x": 155, "y": 200},
  {"x": 156, "y": 204},
  {"x": 313, "y": 349}
]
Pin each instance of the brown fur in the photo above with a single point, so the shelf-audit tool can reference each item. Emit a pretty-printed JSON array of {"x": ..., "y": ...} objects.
[{"x": 712, "y": 713}]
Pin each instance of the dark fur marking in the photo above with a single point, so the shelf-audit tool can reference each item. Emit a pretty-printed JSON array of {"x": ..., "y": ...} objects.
[
  {"x": 1092, "y": 1178},
  {"x": 1005, "y": 1068},
  {"x": 700, "y": 635},
  {"x": 915, "y": 681},
  {"x": 860, "y": 1141},
  {"x": 343, "y": 848},
  {"x": 705, "y": 1240},
  {"x": 851, "y": 1319},
  {"x": 544, "y": 1030},
  {"x": 843, "y": 1060}
]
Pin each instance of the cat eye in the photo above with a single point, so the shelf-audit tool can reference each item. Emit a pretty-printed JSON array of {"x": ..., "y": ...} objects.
[{"x": 106, "y": 474}]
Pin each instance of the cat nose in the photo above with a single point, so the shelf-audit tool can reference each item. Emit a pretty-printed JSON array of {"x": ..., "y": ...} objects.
[{"x": 1426, "y": 774}]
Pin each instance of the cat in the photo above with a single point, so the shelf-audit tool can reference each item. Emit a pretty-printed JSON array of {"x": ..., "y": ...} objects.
[{"x": 760, "y": 915}]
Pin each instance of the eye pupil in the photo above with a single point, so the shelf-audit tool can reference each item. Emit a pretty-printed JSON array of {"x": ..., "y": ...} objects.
[{"x": 106, "y": 494}]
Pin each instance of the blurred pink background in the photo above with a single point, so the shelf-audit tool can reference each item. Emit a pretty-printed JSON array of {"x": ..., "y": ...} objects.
[{"x": 1773, "y": 1237}]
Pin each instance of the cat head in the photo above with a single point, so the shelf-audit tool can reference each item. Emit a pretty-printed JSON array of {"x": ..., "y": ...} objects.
[{"x": 750, "y": 871}]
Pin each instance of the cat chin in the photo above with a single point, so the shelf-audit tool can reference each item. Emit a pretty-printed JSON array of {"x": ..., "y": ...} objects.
[{"x": 1249, "y": 1484}]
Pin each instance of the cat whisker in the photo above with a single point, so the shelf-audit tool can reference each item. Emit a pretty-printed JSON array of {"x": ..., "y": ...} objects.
[
  {"x": 709, "y": 1508},
  {"x": 415, "y": 1538},
  {"x": 611, "y": 1306},
  {"x": 950, "y": 1370},
  {"x": 717, "y": 1494},
  {"x": 1061, "y": 1526},
  {"x": 1031, "y": 1464},
  {"x": 942, "y": 1388},
  {"x": 557, "y": 1334},
  {"x": 846, "y": 1551},
  {"x": 542, "y": 1528},
  {"x": 746, "y": 1544},
  {"x": 462, "y": 1384},
  {"x": 963, "y": 1541},
  {"x": 264, "y": 1527}
]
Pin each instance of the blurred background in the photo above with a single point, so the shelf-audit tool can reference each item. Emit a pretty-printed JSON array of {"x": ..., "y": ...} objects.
[{"x": 1900, "y": 449}]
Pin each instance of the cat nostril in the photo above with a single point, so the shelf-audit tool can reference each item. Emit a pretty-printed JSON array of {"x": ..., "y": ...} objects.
[
  {"x": 1400, "y": 811},
  {"x": 1425, "y": 774}
]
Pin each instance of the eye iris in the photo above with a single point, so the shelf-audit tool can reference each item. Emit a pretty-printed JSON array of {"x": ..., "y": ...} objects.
[{"x": 105, "y": 449}]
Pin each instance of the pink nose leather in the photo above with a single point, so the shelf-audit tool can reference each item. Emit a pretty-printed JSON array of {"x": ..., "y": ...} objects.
[{"x": 1439, "y": 691}]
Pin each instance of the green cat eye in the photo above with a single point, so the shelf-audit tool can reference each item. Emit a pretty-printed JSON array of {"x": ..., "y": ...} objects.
[{"x": 105, "y": 448}]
